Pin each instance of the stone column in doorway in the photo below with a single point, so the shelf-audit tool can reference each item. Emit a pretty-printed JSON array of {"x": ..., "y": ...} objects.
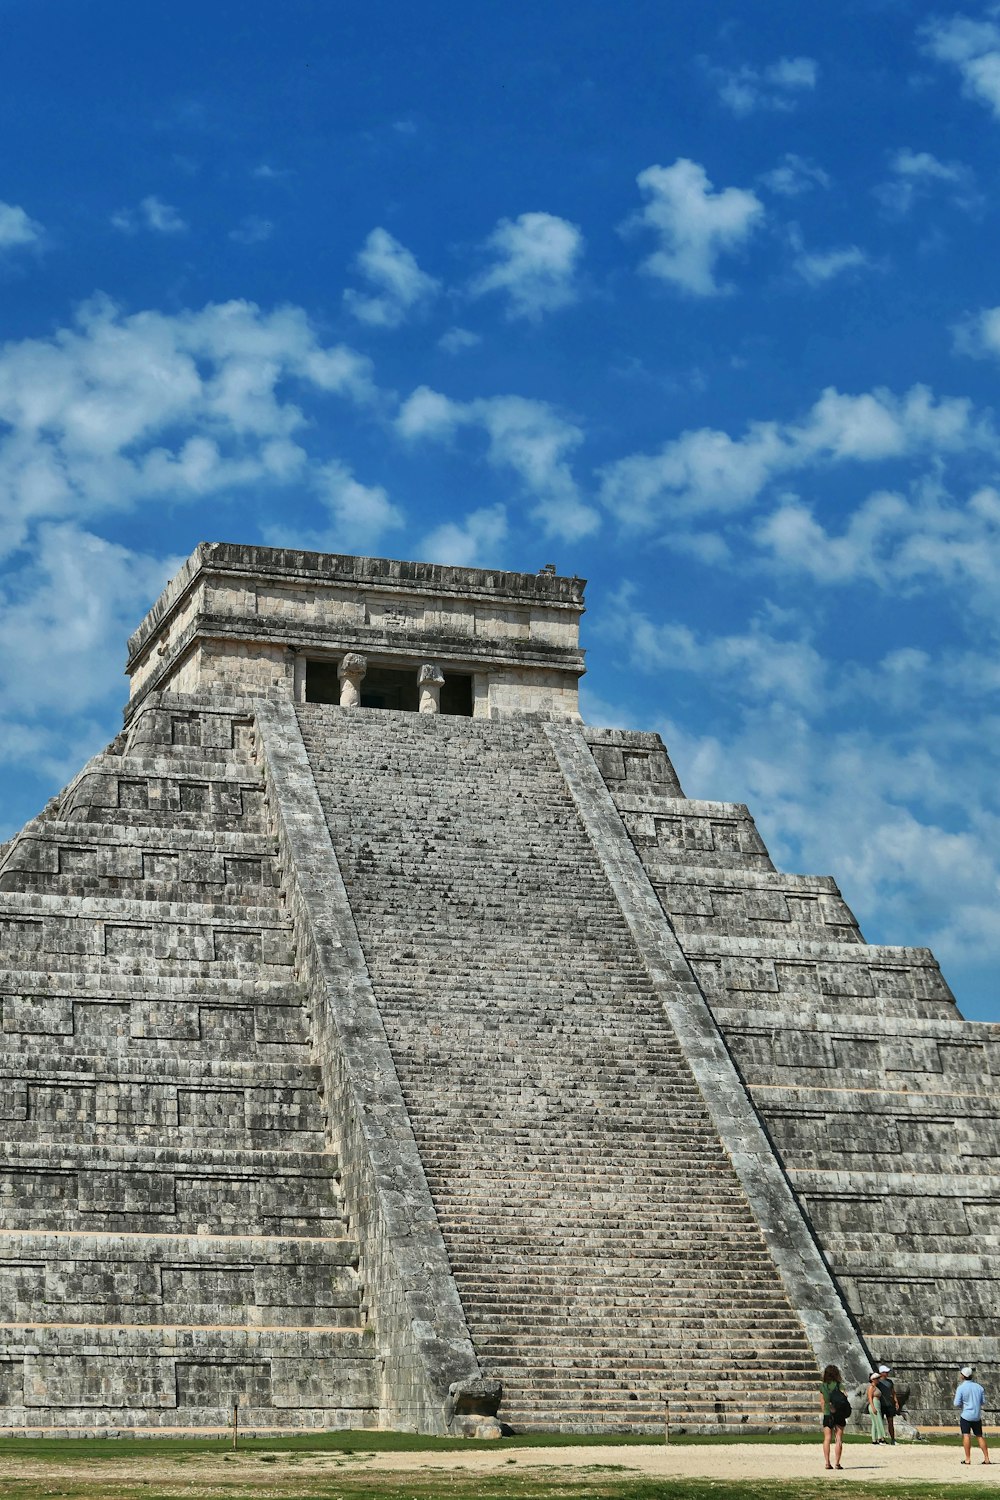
[
  {"x": 351, "y": 670},
  {"x": 430, "y": 681}
]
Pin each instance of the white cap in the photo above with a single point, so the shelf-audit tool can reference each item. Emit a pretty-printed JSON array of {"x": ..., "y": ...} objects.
[
  {"x": 884, "y": 1369},
  {"x": 966, "y": 1370}
]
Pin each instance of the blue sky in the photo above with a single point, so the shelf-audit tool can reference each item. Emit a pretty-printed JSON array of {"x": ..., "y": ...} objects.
[{"x": 698, "y": 302}]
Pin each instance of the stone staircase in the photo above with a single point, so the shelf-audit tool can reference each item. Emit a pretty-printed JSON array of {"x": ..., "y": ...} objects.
[
  {"x": 172, "y": 1237},
  {"x": 879, "y": 1098},
  {"x": 607, "y": 1257}
]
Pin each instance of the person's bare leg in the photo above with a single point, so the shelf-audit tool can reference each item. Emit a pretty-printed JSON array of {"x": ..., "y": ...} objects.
[
  {"x": 838, "y": 1447},
  {"x": 984, "y": 1450},
  {"x": 890, "y": 1422},
  {"x": 826, "y": 1445},
  {"x": 967, "y": 1446}
]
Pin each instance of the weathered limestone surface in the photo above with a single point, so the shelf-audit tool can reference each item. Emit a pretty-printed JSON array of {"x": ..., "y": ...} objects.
[
  {"x": 424, "y": 1349},
  {"x": 805, "y": 1276},
  {"x": 172, "y": 1232},
  {"x": 607, "y": 1255},
  {"x": 251, "y": 619},
  {"x": 880, "y": 1100},
  {"x": 357, "y": 1063}
]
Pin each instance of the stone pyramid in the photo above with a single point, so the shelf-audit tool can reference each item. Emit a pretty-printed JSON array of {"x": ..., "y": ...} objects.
[{"x": 377, "y": 1037}]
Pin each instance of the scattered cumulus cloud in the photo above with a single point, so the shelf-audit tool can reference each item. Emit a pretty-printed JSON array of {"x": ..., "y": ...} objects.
[
  {"x": 777, "y": 87},
  {"x": 817, "y": 267},
  {"x": 897, "y": 542},
  {"x": 793, "y": 176},
  {"x": 457, "y": 340},
  {"x": 400, "y": 287},
  {"x": 17, "y": 230},
  {"x": 118, "y": 410},
  {"x": 64, "y": 615},
  {"x": 899, "y": 811},
  {"x": 979, "y": 334},
  {"x": 477, "y": 538},
  {"x": 705, "y": 470},
  {"x": 917, "y": 174},
  {"x": 74, "y": 604},
  {"x": 529, "y": 438},
  {"x": 694, "y": 224},
  {"x": 973, "y": 49},
  {"x": 750, "y": 663},
  {"x": 359, "y": 514},
  {"x": 152, "y": 214},
  {"x": 534, "y": 265}
]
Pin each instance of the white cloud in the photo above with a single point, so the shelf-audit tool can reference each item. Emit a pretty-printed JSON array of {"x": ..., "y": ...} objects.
[
  {"x": 252, "y": 230},
  {"x": 16, "y": 229},
  {"x": 706, "y": 470},
  {"x": 359, "y": 514},
  {"x": 527, "y": 437},
  {"x": 793, "y": 176},
  {"x": 535, "y": 262},
  {"x": 916, "y": 174},
  {"x": 751, "y": 663},
  {"x": 973, "y": 48},
  {"x": 778, "y": 87},
  {"x": 401, "y": 287},
  {"x": 897, "y": 541},
  {"x": 817, "y": 267},
  {"x": 66, "y": 615},
  {"x": 152, "y": 214},
  {"x": 694, "y": 224},
  {"x": 864, "y": 806},
  {"x": 903, "y": 810},
  {"x": 64, "y": 618},
  {"x": 464, "y": 543},
  {"x": 118, "y": 411},
  {"x": 979, "y": 335},
  {"x": 456, "y": 340}
]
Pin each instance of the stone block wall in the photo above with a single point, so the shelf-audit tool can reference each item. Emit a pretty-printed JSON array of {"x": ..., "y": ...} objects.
[
  {"x": 879, "y": 1098},
  {"x": 172, "y": 1231}
]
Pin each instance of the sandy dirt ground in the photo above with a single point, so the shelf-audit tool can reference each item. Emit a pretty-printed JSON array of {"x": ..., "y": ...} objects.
[{"x": 912, "y": 1461}]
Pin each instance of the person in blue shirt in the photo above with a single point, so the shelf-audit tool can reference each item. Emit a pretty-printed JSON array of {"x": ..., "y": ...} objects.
[{"x": 971, "y": 1398}]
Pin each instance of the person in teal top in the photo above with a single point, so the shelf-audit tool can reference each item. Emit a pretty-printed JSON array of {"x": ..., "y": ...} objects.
[
  {"x": 833, "y": 1398},
  {"x": 971, "y": 1398}
]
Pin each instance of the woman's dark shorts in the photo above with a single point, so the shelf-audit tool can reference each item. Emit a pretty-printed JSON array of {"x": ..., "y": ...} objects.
[
  {"x": 976, "y": 1428},
  {"x": 829, "y": 1420}
]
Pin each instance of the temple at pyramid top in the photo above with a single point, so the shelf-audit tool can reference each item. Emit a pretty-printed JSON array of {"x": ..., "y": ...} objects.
[{"x": 326, "y": 628}]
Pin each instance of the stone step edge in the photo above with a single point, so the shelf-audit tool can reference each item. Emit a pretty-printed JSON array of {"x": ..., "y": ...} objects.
[
  {"x": 176, "y": 1237},
  {"x": 834, "y": 1024},
  {"x": 703, "y": 945},
  {"x": 74, "y": 832},
  {"x": 91, "y": 1068},
  {"x": 742, "y": 878},
  {"x": 38, "y": 1326},
  {"x": 129, "y": 910},
  {"x": 56, "y": 1155}
]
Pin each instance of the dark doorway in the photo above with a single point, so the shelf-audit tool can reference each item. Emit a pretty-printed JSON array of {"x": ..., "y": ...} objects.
[
  {"x": 389, "y": 687},
  {"x": 322, "y": 682},
  {"x": 456, "y": 695}
]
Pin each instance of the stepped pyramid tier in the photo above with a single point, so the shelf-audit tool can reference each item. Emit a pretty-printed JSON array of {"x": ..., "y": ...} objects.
[{"x": 381, "y": 1046}]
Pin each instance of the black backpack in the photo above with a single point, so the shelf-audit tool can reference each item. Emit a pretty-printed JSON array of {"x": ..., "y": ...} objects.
[{"x": 840, "y": 1407}]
